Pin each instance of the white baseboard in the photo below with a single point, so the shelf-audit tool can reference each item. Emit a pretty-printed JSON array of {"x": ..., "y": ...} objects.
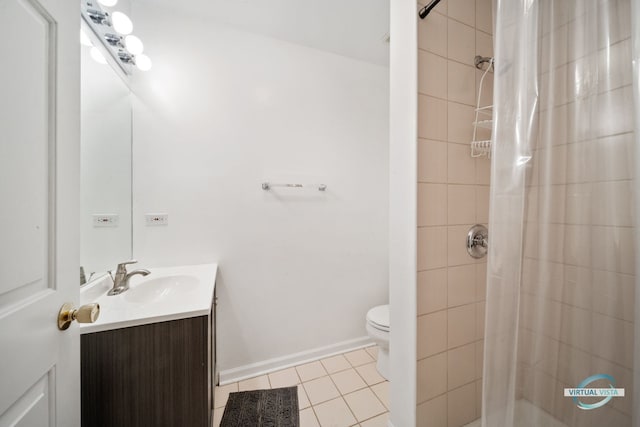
[{"x": 260, "y": 368}]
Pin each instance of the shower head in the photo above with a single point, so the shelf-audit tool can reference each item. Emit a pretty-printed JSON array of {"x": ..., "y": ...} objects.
[{"x": 425, "y": 10}]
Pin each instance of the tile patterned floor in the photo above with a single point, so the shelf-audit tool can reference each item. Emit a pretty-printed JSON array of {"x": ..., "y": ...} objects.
[{"x": 340, "y": 391}]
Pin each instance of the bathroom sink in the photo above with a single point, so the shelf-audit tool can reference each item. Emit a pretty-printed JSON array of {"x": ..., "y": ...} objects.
[
  {"x": 168, "y": 293},
  {"x": 167, "y": 287}
]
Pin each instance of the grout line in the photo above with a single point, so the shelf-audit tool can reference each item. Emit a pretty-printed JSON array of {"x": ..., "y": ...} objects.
[
  {"x": 464, "y": 23},
  {"x": 313, "y": 411},
  {"x": 355, "y": 391},
  {"x": 375, "y": 416},
  {"x": 298, "y": 376},
  {"x": 363, "y": 379},
  {"x": 310, "y": 407},
  {"x": 383, "y": 404},
  {"x": 445, "y": 100},
  {"x": 351, "y": 410},
  {"x": 340, "y": 370},
  {"x": 341, "y": 395}
]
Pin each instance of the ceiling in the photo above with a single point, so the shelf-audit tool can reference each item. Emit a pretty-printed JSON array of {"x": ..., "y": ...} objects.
[{"x": 352, "y": 28}]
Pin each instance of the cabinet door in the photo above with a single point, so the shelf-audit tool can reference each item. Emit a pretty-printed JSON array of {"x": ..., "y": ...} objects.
[{"x": 156, "y": 375}]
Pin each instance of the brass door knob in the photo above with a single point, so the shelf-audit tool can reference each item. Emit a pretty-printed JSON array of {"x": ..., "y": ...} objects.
[{"x": 87, "y": 313}]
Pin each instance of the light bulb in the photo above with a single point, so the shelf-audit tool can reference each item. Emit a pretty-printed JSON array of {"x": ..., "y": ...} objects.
[
  {"x": 134, "y": 45},
  {"x": 84, "y": 39},
  {"x": 97, "y": 55},
  {"x": 108, "y": 3},
  {"x": 122, "y": 23},
  {"x": 143, "y": 62}
]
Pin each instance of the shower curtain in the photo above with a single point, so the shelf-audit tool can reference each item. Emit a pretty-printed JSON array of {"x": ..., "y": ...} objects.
[{"x": 562, "y": 266}]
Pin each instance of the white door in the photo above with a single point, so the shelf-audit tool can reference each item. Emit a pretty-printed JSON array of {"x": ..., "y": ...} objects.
[{"x": 39, "y": 209}]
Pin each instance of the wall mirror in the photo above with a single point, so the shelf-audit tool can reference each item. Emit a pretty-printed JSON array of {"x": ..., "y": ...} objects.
[{"x": 105, "y": 177}]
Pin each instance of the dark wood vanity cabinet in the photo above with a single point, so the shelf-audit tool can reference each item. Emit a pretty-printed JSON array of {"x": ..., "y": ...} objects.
[{"x": 160, "y": 374}]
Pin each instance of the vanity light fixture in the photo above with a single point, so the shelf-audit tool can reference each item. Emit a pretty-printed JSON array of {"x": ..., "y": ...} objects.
[
  {"x": 126, "y": 57},
  {"x": 114, "y": 40},
  {"x": 114, "y": 31},
  {"x": 143, "y": 62},
  {"x": 98, "y": 16},
  {"x": 133, "y": 44},
  {"x": 122, "y": 23}
]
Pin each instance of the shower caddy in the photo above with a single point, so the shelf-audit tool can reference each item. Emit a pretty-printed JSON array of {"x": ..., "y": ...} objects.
[{"x": 484, "y": 114}]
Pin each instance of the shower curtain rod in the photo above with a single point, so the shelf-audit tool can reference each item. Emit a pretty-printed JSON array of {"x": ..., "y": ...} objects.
[{"x": 425, "y": 10}]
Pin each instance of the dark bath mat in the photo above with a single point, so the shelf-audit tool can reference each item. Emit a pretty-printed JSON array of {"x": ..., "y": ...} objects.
[{"x": 277, "y": 407}]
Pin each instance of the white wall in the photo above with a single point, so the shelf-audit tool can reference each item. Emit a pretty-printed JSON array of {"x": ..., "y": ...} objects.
[
  {"x": 222, "y": 111},
  {"x": 403, "y": 211}
]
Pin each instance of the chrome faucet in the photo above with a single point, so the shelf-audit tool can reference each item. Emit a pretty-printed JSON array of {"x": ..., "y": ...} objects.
[{"x": 121, "y": 279}]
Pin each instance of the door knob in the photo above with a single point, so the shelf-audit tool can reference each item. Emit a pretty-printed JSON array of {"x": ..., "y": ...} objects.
[{"x": 87, "y": 313}]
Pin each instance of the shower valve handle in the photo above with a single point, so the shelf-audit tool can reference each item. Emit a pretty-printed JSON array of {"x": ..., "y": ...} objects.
[{"x": 478, "y": 241}]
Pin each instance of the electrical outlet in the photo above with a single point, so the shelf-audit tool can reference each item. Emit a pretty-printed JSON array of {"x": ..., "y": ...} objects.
[
  {"x": 106, "y": 220},
  {"x": 153, "y": 219}
]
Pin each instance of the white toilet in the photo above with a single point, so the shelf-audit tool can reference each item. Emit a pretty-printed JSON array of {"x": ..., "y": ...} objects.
[{"x": 378, "y": 330}]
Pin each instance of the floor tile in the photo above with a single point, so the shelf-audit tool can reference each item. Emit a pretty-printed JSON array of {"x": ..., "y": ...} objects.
[
  {"x": 311, "y": 371},
  {"x": 334, "y": 413},
  {"x": 373, "y": 351},
  {"x": 336, "y": 364},
  {"x": 359, "y": 357},
  {"x": 365, "y": 393},
  {"x": 382, "y": 392},
  {"x": 370, "y": 374},
  {"x": 222, "y": 394},
  {"x": 364, "y": 404},
  {"x": 255, "y": 383},
  {"x": 348, "y": 381},
  {"x": 284, "y": 378},
  {"x": 379, "y": 421},
  {"x": 320, "y": 390},
  {"x": 308, "y": 418},
  {"x": 303, "y": 400}
]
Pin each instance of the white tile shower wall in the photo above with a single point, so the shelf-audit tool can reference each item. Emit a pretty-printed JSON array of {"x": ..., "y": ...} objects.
[
  {"x": 224, "y": 110},
  {"x": 453, "y": 194}
]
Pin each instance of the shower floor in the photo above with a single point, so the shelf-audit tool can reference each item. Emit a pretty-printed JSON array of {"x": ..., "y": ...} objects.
[{"x": 528, "y": 415}]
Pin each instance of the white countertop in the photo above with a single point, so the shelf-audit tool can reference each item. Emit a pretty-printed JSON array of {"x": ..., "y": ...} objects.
[{"x": 190, "y": 295}]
